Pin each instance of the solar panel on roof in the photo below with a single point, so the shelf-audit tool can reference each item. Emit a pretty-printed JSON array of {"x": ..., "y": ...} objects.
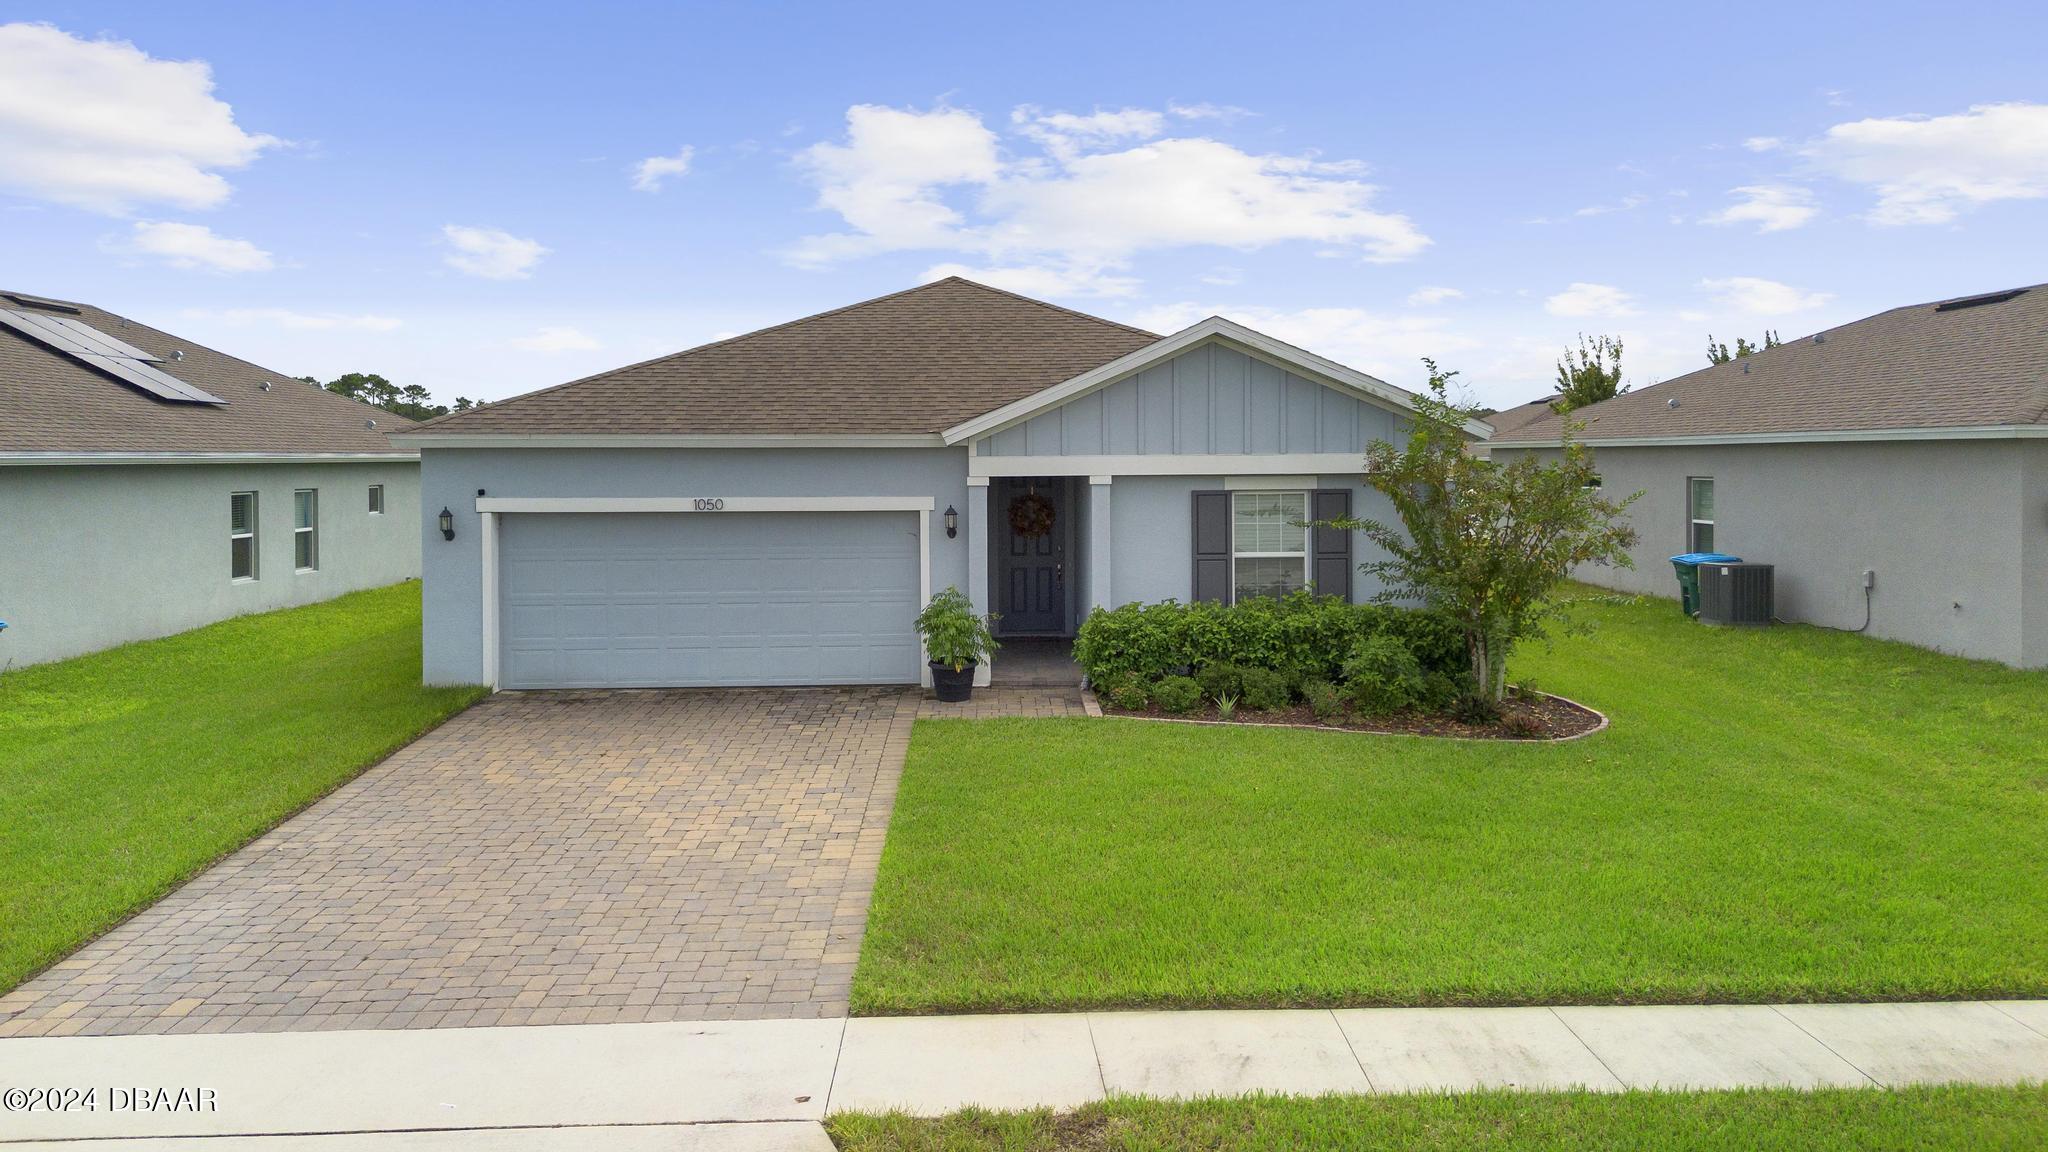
[
  {"x": 97, "y": 350},
  {"x": 28, "y": 301}
]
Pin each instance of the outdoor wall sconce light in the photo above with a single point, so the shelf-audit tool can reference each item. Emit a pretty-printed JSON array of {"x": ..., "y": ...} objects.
[
  {"x": 952, "y": 522},
  {"x": 447, "y": 523}
]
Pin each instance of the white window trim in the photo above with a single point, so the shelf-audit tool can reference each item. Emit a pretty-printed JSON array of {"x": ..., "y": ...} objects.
[
  {"x": 378, "y": 490},
  {"x": 255, "y": 556},
  {"x": 1693, "y": 522},
  {"x": 312, "y": 530},
  {"x": 490, "y": 508},
  {"x": 1305, "y": 555}
]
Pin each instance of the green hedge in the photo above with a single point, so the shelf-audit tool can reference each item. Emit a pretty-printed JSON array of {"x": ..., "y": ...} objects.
[{"x": 1302, "y": 636}]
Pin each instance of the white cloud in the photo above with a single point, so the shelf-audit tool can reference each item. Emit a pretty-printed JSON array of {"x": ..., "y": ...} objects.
[
  {"x": 490, "y": 253},
  {"x": 1087, "y": 203},
  {"x": 1757, "y": 296},
  {"x": 1764, "y": 143},
  {"x": 557, "y": 339},
  {"x": 1634, "y": 200},
  {"x": 296, "y": 321},
  {"x": 193, "y": 246},
  {"x": 1582, "y": 299},
  {"x": 1927, "y": 170},
  {"x": 649, "y": 173},
  {"x": 1226, "y": 113},
  {"x": 1042, "y": 279},
  {"x": 1389, "y": 346},
  {"x": 1223, "y": 276},
  {"x": 1422, "y": 297},
  {"x": 1063, "y": 132},
  {"x": 100, "y": 124},
  {"x": 1771, "y": 207}
]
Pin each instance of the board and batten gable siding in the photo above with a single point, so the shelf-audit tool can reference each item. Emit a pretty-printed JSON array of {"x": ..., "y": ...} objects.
[{"x": 1211, "y": 400}]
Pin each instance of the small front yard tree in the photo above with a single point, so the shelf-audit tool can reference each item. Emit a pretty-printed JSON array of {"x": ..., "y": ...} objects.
[{"x": 1485, "y": 542}]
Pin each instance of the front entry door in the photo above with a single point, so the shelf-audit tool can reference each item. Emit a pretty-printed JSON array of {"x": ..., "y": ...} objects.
[{"x": 1033, "y": 524}]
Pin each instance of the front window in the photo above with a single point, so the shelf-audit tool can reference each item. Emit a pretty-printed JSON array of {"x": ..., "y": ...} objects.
[
  {"x": 242, "y": 536},
  {"x": 1700, "y": 497},
  {"x": 306, "y": 529},
  {"x": 1268, "y": 543}
]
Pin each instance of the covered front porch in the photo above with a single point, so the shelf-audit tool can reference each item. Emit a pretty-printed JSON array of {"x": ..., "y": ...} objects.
[{"x": 1038, "y": 552}]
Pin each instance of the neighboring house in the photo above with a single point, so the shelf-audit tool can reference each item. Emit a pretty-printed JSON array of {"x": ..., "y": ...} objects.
[
  {"x": 1912, "y": 445},
  {"x": 774, "y": 508},
  {"x": 1509, "y": 420},
  {"x": 149, "y": 485}
]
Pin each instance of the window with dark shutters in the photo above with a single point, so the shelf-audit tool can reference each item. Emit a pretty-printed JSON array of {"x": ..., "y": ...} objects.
[
  {"x": 1212, "y": 546},
  {"x": 1330, "y": 561}
]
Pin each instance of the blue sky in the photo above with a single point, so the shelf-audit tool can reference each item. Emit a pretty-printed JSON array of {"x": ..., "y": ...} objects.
[{"x": 462, "y": 199}]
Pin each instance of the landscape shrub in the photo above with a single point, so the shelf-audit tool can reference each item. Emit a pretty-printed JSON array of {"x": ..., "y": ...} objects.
[
  {"x": 1301, "y": 636},
  {"x": 1220, "y": 680},
  {"x": 1177, "y": 694},
  {"x": 1325, "y": 700},
  {"x": 1264, "y": 689},
  {"x": 1126, "y": 691},
  {"x": 1381, "y": 676}
]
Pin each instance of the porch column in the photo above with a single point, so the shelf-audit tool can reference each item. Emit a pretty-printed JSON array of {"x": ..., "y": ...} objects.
[
  {"x": 976, "y": 514},
  {"x": 1100, "y": 592}
]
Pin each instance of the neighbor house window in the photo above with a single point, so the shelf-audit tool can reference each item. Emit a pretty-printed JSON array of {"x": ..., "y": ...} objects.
[
  {"x": 306, "y": 529},
  {"x": 376, "y": 499},
  {"x": 1268, "y": 543},
  {"x": 1700, "y": 499},
  {"x": 242, "y": 536}
]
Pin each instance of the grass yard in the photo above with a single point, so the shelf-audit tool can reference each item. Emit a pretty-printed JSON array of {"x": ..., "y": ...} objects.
[
  {"x": 124, "y": 772},
  {"x": 1830, "y": 1120},
  {"x": 1781, "y": 815}
]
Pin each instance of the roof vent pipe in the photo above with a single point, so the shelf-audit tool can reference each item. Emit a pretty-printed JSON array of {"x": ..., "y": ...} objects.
[
  {"x": 1671, "y": 403},
  {"x": 264, "y": 387},
  {"x": 1820, "y": 337},
  {"x": 177, "y": 353}
]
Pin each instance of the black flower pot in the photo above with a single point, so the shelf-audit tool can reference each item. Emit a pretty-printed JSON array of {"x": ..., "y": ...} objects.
[{"x": 952, "y": 687}]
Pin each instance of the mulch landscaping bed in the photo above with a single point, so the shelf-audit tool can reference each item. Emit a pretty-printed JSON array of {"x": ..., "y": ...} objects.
[{"x": 1544, "y": 717}]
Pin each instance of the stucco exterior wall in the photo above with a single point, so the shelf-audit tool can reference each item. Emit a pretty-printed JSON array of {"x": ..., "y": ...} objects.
[
  {"x": 450, "y": 477},
  {"x": 97, "y": 555},
  {"x": 1953, "y": 528},
  {"x": 1153, "y": 547}
]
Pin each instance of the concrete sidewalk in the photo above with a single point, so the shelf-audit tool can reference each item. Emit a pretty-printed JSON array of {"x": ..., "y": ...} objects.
[{"x": 764, "y": 1084}]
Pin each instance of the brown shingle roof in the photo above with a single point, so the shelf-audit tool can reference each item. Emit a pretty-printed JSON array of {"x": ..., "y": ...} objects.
[
  {"x": 1912, "y": 367},
  {"x": 52, "y": 403},
  {"x": 1520, "y": 416},
  {"x": 917, "y": 361}
]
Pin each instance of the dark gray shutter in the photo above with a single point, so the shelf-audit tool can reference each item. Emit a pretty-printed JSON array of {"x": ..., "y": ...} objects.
[
  {"x": 1332, "y": 557},
  {"x": 1212, "y": 546}
]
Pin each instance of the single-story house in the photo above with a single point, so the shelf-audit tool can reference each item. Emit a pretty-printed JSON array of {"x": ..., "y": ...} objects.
[
  {"x": 774, "y": 508},
  {"x": 1893, "y": 470},
  {"x": 149, "y": 485},
  {"x": 1509, "y": 420}
]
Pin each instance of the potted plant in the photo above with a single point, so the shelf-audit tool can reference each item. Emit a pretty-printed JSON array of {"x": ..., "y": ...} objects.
[{"x": 955, "y": 640}]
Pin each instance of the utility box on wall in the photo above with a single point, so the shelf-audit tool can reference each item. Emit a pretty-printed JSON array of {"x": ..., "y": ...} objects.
[{"x": 1736, "y": 594}]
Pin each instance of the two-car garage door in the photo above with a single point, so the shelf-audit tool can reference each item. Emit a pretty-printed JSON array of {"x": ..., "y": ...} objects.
[{"x": 644, "y": 600}]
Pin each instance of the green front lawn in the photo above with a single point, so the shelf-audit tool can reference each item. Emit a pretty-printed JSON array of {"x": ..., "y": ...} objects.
[
  {"x": 1781, "y": 815},
  {"x": 124, "y": 772},
  {"x": 1830, "y": 1120}
]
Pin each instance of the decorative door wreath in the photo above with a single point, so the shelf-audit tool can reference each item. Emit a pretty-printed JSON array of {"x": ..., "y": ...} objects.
[{"x": 1031, "y": 516}]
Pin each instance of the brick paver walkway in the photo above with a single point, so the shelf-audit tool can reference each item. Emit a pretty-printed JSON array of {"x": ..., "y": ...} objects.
[{"x": 542, "y": 858}]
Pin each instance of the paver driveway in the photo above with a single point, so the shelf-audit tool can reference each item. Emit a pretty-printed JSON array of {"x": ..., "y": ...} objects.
[{"x": 542, "y": 858}]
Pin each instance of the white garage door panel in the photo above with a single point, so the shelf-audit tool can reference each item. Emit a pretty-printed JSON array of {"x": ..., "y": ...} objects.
[{"x": 678, "y": 600}]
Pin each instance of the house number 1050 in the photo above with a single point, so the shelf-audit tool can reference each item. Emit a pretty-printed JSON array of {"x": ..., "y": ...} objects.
[{"x": 715, "y": 504}]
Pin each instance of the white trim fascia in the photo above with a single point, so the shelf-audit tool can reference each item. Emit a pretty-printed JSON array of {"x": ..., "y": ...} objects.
[
  {"x": 75, "y": 458},
  {"x": 1278, "y": 482},
  {"x": 487, "y": 540},
  {"x": 977, "y": 481},
  {"x": 1830, "y": 436},
  {"x": 910, "y": 440},
  {"x": 1098, "y": 481},
  {"x": 1169, "y": 464},
  {"x": 1212, "y": 330},
  {"x": 709, "y": 505}
]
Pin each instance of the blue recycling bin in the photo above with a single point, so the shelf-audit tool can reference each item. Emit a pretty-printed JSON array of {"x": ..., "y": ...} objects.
[{"x": 1687, "y": 565}]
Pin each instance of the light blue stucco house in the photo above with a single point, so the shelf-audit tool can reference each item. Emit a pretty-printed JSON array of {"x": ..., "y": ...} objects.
[
  {"x": 774, "y": 508},
  {"x": 149, "y": 484}
]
